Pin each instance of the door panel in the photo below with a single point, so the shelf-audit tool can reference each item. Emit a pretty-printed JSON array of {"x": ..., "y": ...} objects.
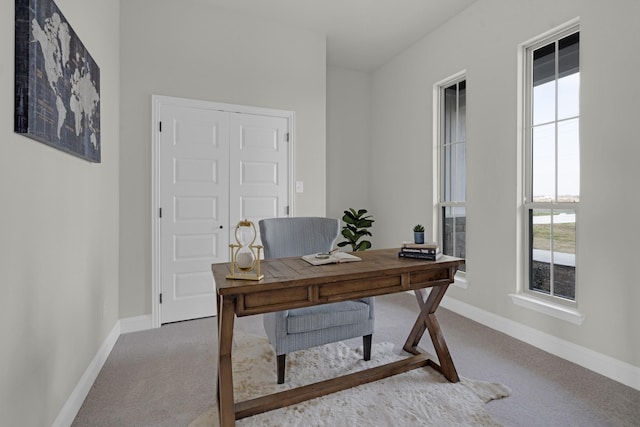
[
  {"x": 258, "y": 167},
  {"x": 194, "y": 193}
]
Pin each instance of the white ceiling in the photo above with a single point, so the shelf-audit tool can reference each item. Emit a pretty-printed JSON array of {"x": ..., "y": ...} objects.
[{"x": 361, "y": 34}]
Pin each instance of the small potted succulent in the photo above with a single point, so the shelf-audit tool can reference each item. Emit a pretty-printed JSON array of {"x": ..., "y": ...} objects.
[{"x": 418, "y": 233}]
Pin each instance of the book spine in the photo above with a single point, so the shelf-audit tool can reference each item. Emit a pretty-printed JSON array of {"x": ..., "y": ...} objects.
[
  {"x": 428, "y": 257},
  {"x": 419, "y": 251},
  {"x": 419, "y": 246}
]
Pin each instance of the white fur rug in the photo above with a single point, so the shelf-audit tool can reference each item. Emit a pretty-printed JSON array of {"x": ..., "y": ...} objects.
[{"x": 421, "y": 397}]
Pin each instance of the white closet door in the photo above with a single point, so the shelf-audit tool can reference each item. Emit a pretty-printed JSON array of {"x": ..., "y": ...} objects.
[
  {"x": 194, "y": 194},
  {"x": 259, "y": 184},
  {"x": 216, "y": 167}
]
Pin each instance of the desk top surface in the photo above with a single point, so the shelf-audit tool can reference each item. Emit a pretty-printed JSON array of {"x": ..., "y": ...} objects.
[{"x": 293, "y": 271}]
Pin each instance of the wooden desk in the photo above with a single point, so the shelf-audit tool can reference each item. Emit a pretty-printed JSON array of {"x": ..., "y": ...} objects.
[{"x": 292, "y": 283}]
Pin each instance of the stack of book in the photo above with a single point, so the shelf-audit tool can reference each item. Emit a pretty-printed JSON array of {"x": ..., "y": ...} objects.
[{"x": 428, "y": 251}]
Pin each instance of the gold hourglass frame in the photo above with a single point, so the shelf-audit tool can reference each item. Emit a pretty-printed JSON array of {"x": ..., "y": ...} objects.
[{"x": 245, "y": 256}]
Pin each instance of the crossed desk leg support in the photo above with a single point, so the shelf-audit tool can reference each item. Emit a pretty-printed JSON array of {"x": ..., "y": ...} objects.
[
  {"x": 427, "y": 320},
  {"x": 229, "y": 411}
]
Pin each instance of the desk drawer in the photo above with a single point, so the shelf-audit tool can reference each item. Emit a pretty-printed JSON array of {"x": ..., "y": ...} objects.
[
  {"x": 424, "y": 277},
  {"x": 259, "y": 301},
  {"x": 361, "y": 287}
]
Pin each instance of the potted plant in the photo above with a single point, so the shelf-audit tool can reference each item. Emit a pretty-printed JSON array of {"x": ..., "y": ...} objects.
[
  {"x": 418, "y": 233},
  {"x": 356, "y": 225}
]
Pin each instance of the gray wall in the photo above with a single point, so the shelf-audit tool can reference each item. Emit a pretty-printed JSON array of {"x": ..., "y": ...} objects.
[
  {"x": 484, "y": 40},
  {"x": 348, "y": 141},
  {"x": 189, "y": 49},
  {"x": 59, "y": 228}
]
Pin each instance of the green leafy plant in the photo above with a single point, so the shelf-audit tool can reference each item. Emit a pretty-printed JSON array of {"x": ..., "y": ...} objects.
[
  {"x": 418, "y": 228},
  {"x": 356, "y": 227}
]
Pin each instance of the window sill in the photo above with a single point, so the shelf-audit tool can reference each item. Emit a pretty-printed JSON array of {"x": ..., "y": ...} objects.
[{"x": 545, "y": 307}]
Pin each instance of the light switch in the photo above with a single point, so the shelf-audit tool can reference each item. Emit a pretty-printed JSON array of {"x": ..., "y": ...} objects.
[{"x": 299, "y": 187}]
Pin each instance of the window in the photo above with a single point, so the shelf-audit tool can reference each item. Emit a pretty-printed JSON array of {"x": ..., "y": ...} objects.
[
  {"x": 453, "y": 168},
  {"x": 552, "y": 165}
]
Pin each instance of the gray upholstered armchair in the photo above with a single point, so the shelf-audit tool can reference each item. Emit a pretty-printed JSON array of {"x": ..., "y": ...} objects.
[{"x": 301, "y": 328}]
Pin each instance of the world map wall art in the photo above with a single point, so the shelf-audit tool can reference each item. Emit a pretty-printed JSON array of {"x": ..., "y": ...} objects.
[{"x": 57, "y": 99}]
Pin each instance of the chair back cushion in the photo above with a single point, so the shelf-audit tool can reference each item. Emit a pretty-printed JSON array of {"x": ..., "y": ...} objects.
[{"x": 297, "y": 236}]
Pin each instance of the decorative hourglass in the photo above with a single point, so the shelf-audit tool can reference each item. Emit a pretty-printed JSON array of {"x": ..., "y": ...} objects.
[{"x": 245, "y": 256}]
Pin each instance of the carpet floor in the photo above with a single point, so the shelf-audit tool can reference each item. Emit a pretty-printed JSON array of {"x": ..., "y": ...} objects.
[{"x": 165, "y": 377}]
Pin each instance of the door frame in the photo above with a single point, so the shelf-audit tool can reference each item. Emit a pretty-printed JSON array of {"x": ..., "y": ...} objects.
[{"x": 157, "y": 101}]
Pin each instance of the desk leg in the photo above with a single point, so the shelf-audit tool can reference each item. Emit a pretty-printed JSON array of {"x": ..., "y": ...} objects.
[
  {"x": 427, "y": 321},
  {"x": 218, "y": 316},
  {"x": 226, "y": 408}
]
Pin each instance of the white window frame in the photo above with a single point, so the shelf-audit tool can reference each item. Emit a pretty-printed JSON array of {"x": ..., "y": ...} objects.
[
  {"x": 551, "y": 305},
  {"x": 461, "y": 278}
]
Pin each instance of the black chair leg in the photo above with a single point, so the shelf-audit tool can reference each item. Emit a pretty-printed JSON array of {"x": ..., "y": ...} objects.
[
  {"x": 282, "y": 358},
  {"x": 366, "y": 344}
]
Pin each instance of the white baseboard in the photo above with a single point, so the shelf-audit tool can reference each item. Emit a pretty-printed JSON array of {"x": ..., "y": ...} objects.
[
  {"x": 74, "y": 402},
  {"x": 615, "y": 369},
  {"x": 78, "y": 395},
  {"x": 135, "y": 324}
]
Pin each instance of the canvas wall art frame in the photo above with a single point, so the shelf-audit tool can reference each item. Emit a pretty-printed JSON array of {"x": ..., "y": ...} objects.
[{"x": 57, "y": 82}]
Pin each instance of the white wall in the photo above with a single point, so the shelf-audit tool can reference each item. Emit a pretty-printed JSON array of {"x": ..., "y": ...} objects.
[
  {"x": 189, "y": 49},
  {"x": 483, "y": 40},
  {"x": 59, "y": 228},
  {"x": 348, "y": 141}
]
